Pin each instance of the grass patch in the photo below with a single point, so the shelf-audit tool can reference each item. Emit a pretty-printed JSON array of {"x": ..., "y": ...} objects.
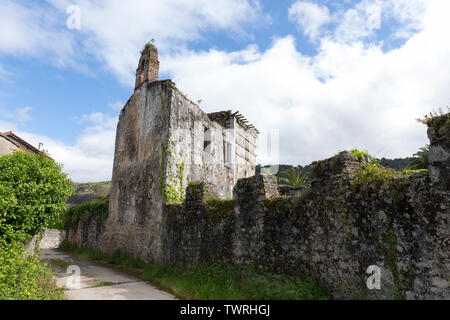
[
  {"x": 60, "y": 263},
  {"x": 212, "y": 281},
  {"x": 102, "y": 284}
]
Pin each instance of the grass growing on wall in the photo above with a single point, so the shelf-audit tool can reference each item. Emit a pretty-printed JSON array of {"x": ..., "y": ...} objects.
[{"x": 211, "y": 281}]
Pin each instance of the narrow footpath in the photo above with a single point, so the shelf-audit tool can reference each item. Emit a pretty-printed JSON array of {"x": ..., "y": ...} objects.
[{"x": 98, "y": 282}]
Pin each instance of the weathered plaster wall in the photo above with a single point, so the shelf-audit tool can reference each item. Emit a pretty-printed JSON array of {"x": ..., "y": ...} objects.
[
  {"x": 135, "y": 216},
  {"x": 6, "y": 147},
  {"x": 189, "y": 128},
  {"x": 198, "y": 146},
  {"x": 163, "y": 141}
]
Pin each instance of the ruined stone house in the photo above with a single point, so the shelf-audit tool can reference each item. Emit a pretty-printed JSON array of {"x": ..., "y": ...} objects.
[
  {"x": 333, "y": 231},
  {"x": 163, "y": 142}
]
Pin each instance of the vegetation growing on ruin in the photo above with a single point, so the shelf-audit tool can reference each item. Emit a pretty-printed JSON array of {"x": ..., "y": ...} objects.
[
  {"x": 294, "y": 178},
  {"x": 218, "y": 209},
  {"x": 364, "y": 157},
  {"x": 212, "y": 281},
  {"x": 391, "y": 255},
  {"x": 437, "y": 118},
  {"x": 419, "y": 159},
  {"x": 149, "y": 45},
  {"x": 409, "y": 172},
  {"x": 86, "y": 211},
  {"x": 172, "y": 189},
  {"x": 172, "y": 184},
  {"x": 376, "y": 176}
]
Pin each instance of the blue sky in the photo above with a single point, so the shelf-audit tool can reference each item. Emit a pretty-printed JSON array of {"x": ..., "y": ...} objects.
[{"x": 328, "y": 75}]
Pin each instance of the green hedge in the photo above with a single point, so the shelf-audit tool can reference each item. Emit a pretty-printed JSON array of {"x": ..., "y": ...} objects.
[{"x": 33, "y": 193}]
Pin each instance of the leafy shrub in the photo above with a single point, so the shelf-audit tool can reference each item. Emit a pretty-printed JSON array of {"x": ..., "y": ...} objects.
[
  {"x": 23, "y": 276},
  {"x": 364, "y": 156},
  {"x": 293, "y": 177},
  {"x": 419, "y": 159},
  {"x": 33, "y": 191}
]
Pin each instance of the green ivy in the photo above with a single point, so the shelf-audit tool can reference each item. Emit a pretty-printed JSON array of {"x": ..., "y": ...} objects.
[
  {"x": 172, "y": 187},
  {"x": 393, "y": 260},
  {"x": 86, "y": 211}
]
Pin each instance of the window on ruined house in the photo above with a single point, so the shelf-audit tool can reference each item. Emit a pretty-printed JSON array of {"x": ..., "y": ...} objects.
[
  {"x": 227, "y": 153},
  {"x": 206, "y": 139}
]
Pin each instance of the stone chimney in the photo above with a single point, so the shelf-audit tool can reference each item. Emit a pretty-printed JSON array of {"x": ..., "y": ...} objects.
[{"x": 148, "y": 67}]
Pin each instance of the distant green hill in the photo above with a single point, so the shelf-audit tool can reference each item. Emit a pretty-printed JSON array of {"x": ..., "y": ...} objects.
[
  {"x": 88, "y": 191},
  {"x": 397, "y": 164}
]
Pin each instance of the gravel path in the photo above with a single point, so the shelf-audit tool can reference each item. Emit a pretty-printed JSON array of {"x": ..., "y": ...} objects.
[{"x": 109, "y": 284}]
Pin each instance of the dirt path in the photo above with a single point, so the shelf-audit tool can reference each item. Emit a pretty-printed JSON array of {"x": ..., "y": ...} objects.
[{"x": 109, "y": 284}]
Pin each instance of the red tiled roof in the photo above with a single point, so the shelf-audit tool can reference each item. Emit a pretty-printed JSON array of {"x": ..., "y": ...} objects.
[{"x": 20, "y": 143}]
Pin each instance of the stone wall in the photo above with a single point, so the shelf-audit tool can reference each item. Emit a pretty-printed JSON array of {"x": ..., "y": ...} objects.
[
  {"x": 52, "y": 238},
  {"x": 353, "y": 216}
]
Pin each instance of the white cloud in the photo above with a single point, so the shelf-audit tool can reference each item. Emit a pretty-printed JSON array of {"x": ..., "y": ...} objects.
[
  {"x": 361, "y": 21},
  {"x": 409, "y": 14},
  {"x": 20, "y": 115},
  {"x": 350, "y": 95},
  {"x": 23, "y": 114},
  {"x": 115, "y": 31},
  {"x": 7, "y": 126},
  {"x": 309, "y": 16},
  {"x": 117, "y": 106},
  {"x": 28, "y": 29},
  {"x": 90, "y": 158}
]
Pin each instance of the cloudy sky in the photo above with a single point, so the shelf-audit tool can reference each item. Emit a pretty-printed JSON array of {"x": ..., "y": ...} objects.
[{"x": 328, "y": 75}]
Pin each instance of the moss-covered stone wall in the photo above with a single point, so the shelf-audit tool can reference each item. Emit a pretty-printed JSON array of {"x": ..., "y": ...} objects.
[{"x": 355, "y": 214}]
